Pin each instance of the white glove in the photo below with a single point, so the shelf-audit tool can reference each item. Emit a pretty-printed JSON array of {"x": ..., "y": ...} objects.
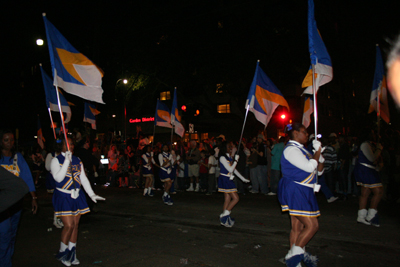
[
  {"x": 236, "y": 157},
  {"x": 68, "y": 156},
  {"x": 96, "y": 197},
  {"x": 321, "y": 159},
  {"x": 316, "y": 144},
  {"x": 152, "y": 153},
  {"x": 96, "y": 174},
  {"x": 246, "y": 180}
]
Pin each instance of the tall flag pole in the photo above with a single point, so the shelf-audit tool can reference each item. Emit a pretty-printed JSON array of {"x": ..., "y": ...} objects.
[
  {"x": 378, "y": 98},
  {"x": 51, "y": 100},
  {"x": 263, "y": 98},
  {"x": 320, "y": 71},
  {"x": 72, "y": 71},
  {"x": 175, "y": 116}
]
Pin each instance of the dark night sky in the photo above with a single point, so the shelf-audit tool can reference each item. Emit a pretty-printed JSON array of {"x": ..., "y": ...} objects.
[{"x": 179, "y": 43}]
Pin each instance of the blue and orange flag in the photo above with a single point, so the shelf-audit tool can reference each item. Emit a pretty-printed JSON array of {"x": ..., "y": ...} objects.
[
  {"x": 40, "y": 137},
  {"x": 90, "y": 114},
  {"x": 72, "y": 71},
  {"x": 163, "y": 115},
  {"x": 51, "y": 97},
  {"x": 379, "y": 89},
  {"x": 308, "y": 110},
  {"x": 264, "y": 97},
  {"x": 175, "y": 117},
  {"x": 318, "y": 54}
]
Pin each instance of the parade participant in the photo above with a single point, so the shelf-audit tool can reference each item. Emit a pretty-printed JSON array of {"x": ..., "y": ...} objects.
[
  {"x": 296, "y": 192},
  {"x": 15, "y": 163},
  {"x": 147, "y": 170},
  {"x": 68, "y": 202},
  {"x": 367, "y": 177},
  {"x": 176, "y": 158},
  {"x": 165, "y": 160},
  {"x": 226, "y": 184},
  {"x": 193, "y": 157},
  {"x": 12, "y": 189}
]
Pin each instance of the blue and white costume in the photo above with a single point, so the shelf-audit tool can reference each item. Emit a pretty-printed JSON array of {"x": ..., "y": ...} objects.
[
  {"x": 365, "y": 171},
  {"x": 147, "y": 168},
  {"x": 165, "y": 171},
  {"x": 226, "y": 175},
  {"x": 9, "y": 219},
  {"x": 296, "y": 188},
  {"x": 70, "y": 177}
]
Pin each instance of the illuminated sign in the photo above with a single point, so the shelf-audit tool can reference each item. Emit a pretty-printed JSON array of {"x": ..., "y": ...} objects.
[{"x": 144, "y": 119}]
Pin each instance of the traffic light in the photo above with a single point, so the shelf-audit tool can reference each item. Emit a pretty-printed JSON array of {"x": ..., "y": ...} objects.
[
  {"x": 283, "y": 116},
  {"x": 183, "y": 108}
]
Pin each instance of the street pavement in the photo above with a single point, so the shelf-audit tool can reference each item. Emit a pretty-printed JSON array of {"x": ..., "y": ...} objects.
[{"x": 131, "y": 230}]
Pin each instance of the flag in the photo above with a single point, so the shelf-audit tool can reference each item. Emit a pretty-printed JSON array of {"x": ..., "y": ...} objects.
[
  {"x": 163, "y": 116},
  {"x": 264, "y": 97},
  {"x": 175, "y": 117},
  {"x": 90, "y": 114},
  {"x": 72, "y": 71},
  {"x": 318, "y": 54},
  {"x": 51, "y": 97},
  {"x": 379, "y": 85},
  {"x": 40, "y": 138},
  {"x": 308, "y": 110}
]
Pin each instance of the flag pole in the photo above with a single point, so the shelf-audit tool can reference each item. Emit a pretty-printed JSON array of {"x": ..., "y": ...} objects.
[
  {"x": 62, "y": 118},
  {"x": 52, "y": 124},
  {"x": 314, "y": 88},
  {"x": 315, "y": 102},
  {"x": 244, "y": 123},
  {"x": 172, "y": 134},
  {"x": 247, "y": 112},
  {"x": 154, "y": 133}
]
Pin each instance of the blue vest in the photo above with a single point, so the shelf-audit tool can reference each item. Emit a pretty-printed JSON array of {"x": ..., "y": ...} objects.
[
  {"x": 292, "y": 172},
  {"x": 75, "y": 169}
]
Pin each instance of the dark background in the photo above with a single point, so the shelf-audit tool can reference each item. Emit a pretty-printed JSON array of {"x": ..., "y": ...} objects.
[{"x": 194, "y": 45}]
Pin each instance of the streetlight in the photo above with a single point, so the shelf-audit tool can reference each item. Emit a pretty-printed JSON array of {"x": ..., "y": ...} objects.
[
  {"x": 124, "y": 81},
  {"x": 39, "y": 42}
]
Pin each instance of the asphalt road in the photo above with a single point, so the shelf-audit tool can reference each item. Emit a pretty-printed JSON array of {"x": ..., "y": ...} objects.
[{"x": 131, "y": 230}]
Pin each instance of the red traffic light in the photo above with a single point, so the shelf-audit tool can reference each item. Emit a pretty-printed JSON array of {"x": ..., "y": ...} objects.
[
  {"x": 283, "y": 116},
  {"x": 183, "y": 108}
]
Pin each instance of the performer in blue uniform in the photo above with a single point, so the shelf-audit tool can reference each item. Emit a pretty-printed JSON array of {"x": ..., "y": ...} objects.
[
  {"x": 226, "y": 183},
  {"x": 147, "y": 170},
  {"x": 68, "y": 202},
  {"x": 15, "y": 163},
  {"x": 165, "y": 160},
  {"x": 296, "y": 192},
  {"x": 367, "y": 176}
]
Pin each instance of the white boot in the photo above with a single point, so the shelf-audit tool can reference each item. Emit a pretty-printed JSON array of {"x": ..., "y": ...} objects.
[
  {"x": 190, "y": 189},
  {"x": 197, "y": 188},
  {"x": 361, "y": 217},
  {"x": 372, "y": 217}
]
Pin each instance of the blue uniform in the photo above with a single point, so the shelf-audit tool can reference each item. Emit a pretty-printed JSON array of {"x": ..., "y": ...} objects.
[
  {"x": 365, "y": 173},
  {"x": 225, "y": 184},
  {"x": 9, "y": 219},
  {"x": 63, "y": 203},
  {"x": 165, "y": 172},
  {"x": 293, "y": 193},
  {"x": 147, "y": 169}
]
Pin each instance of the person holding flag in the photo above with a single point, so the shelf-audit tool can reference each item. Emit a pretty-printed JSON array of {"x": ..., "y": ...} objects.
[
  {"x": 68, "y": 202},
  {"x": 226, "y": 182},
  {"x": 296, "y": 192}
]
